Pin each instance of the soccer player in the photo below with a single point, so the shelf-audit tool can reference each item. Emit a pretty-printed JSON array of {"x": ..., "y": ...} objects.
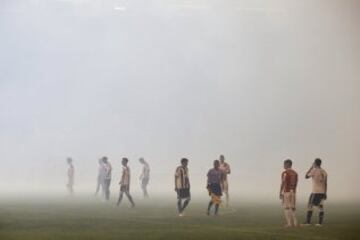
[
  {"x": 182, "y": 186},
  {"x": 144, "y": 177},
  {"x": 100, "y": 178},
  {"x": 215, "y": 177},
  {"x": 319, "y": 191},
  {"x": 107, "y": 177},
  {"x": 71, "y": 175},
  {"x": 289, "y": 180},
  {"x": 125, "y": 183},
  {"x": 225, "y": 167}
]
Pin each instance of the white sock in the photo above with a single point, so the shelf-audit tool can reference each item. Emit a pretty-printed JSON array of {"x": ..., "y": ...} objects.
[
  {"x": 293, "y": 215},
  {"x": 287, "y": 217}
]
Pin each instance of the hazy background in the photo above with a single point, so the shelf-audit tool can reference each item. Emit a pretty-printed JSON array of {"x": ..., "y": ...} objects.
[{"x": 256, "y": 80}]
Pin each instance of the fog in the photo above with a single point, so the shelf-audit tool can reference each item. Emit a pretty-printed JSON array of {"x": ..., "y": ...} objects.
[{"x": 256, "y": 80}]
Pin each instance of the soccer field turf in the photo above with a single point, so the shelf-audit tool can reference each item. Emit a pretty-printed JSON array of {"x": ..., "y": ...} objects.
[{"x": 28, "y": 219}]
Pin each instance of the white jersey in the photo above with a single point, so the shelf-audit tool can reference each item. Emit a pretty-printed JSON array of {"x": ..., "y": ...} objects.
[
  {"x": 102, "y": 172},
  {"x": 108, "y": 170},
  {"x": 319, "y": 177},
  {"x": 145, "y": 171},
  {"x": 125, "y": 178},
  {"x": 71, "y": 171}
]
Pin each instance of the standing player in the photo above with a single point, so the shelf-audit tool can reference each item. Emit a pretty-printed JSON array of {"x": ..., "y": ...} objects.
[
  {"x": 182, "y": 186},
  {"x": 100, "y": 178},
  {"x": 215, "y": 177},
  {"x": 107, "y": 178},
  {"x": 225, "y": 167},
  {"x": 125, "y": 183},
  {"x": 289, "y": 180},
  {"x": 144, "y": 177},
  {"x": 71, "y": 175},
  {"x": 319, "y": 191}
]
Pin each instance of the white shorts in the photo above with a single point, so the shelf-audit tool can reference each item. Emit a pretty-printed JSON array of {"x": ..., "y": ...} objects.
[
  {"x": 225, "y": 186},
  {"x": 289, "y": 200}
]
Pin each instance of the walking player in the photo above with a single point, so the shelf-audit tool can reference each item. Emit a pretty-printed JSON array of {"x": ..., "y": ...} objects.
[
  {"x": 144, "y": 177},
  {"x": 182, "y": 186},
  {"x": 225, "y": 167},
  {"x": 100, "y": 178},
  {"x": 215, "y": 177},
  {"x": 125, "y": 183},
  {"x": 107, "y": 178},
  {"x": 289, "y": 180},
  {"x": 71, "y": 175}
]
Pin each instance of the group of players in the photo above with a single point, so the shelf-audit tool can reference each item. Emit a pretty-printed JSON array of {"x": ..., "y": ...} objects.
[{"x": 217, "y": 185}]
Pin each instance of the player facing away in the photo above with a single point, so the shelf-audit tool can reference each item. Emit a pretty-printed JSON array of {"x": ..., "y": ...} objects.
[
  {"x": 319, "y": 191},
  {"x": 289, "y": 181},
  {"x": 182, "y": 186},
  {"x": 107, "y": 177},
  {"x": 144, "y": 177},
  {"x": 100, "y": 178},
  {"x": 225, "y": 167},
  {"x": 125, "y": 183},
  {"x": 215, "y": 177},
  {"x": 71, "y": 175}
]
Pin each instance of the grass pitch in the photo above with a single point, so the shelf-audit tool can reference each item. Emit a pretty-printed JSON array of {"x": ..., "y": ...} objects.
[{"x": 91, "y": 219}]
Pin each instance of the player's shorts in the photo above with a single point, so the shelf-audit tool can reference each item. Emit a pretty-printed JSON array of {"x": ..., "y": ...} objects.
[
  {"x": 316, "y": 199},
  {"x": 183, "y": 193},
  {"x": 215, "y": 188},
  {"x": 124, "y": 188},
  {"x": 225, "y": 186},
  {"x": 216, "y": 199},
  {"x": 289, "y": 200},
  {"x": 145, "y": 181}
]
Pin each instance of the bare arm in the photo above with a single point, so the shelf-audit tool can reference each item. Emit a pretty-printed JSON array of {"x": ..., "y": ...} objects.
[
  {"x": 308, "y": 173},
  {"x": 282, "y": 187},
  {"x": 325, "y": 187}
]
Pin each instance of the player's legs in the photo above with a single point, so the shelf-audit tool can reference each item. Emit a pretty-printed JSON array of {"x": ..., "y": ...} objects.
[
  {"x": 127, "y": 193},
  {"x": 226, "y": 191},
  {"x": 144, "y": 184},
  {"x": 120, "y": 197},
  {"x": 209, "y": 207},
  {"x": 107, "y": 189},
  {"x": 310, "y": 209},
  {"x": 186, "y": 202},
  {"x": 321, "y": 211},
  {"x": 289, "y": 209},
  {"x": 98, "y": 184}
]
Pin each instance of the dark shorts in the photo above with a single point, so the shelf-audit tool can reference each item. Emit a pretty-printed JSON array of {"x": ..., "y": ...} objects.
[
  {"x": 215, "y": 188},
  {"x": 183, "y": 193},
  {"x": 145, "y": 181},
  {"x": 316, "y": 199},
  {"x": 124, "y": 188}
]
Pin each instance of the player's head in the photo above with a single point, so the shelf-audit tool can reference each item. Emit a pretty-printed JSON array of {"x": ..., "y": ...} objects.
[
  {"x": 222, "y": 159},
  {"x": 69, "y": 160},
  {"x": 184, "y": 162},
  {"x": 216, "y": 164},
  {"x": 287, "y": 164},
  {"x": 105, "y": 159},
  {"x": 317, "y": 162},
  {"x": 124, "y": 161},
  {"x": 141, "y": 160}
]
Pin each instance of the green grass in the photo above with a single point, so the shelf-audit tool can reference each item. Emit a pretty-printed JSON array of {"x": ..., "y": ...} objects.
[{"x": 29, "y": 219}]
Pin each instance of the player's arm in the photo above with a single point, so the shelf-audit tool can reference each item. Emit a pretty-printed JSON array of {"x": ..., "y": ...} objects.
[
  {"x": 228, "y": 170},
  {"x": 325, "y": 187},
  {"x": 122, "y": 177},
  {"x": 176, "y": 177},
  {"x": 282, "y": 186},
  {"x": 308, "y": 173}
]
